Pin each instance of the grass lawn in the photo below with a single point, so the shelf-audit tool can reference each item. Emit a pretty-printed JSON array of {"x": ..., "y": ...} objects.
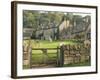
[{"x": 48, "y": 44}]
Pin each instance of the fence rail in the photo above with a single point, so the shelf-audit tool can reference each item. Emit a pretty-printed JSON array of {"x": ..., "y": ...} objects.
[{"x": 44, "y": 48}]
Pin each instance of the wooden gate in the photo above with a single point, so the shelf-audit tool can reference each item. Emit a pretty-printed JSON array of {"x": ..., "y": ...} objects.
[{"x": 45, "y": 57}]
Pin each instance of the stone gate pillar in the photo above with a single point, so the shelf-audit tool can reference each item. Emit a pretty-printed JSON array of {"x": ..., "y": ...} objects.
[{"x": 27, "y": 50}]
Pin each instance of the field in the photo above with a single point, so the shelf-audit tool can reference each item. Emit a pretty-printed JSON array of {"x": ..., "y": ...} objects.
[{"x": 48, "y": 44}]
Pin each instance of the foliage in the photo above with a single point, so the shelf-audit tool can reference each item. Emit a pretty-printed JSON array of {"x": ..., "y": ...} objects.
[{"x": 41, "y": 19}]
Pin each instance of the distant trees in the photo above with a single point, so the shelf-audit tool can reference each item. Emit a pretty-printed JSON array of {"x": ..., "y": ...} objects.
[
  {"x": 30, "y": 19},
  {"x": 41, "y": 19}
]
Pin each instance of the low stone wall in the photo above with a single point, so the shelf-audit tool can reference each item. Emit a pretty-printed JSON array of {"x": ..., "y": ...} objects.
[{"x": 76, "y": 53}]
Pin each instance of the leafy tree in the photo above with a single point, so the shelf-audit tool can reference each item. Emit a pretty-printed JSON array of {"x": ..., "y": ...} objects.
[{"x": 41, "y": 19}]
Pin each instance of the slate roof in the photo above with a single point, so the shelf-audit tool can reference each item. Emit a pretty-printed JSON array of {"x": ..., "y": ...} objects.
[{"x": 27, "y": 32}]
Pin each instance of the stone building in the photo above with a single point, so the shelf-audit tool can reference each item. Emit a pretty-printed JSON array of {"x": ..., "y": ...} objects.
[
  {"x": 67, "y": 29},
  {"x": 75, "y": 30}
]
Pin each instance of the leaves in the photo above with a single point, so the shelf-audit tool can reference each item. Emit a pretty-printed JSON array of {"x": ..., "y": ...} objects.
[{"x": 41, "y": 19}]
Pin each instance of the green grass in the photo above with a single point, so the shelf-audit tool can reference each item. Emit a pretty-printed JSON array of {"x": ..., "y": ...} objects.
[
  {"x": 25, "y": 66},
  {"x": 48, "y": 44}
]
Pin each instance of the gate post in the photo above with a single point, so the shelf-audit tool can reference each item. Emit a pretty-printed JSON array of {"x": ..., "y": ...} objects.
[
  {"x": 60, "y": 57},
  {"x": 27, "y": 55},
  {"x": 30, "y": 58}
]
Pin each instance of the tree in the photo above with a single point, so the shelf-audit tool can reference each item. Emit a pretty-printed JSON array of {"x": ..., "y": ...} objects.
[{"x": 30, "y": 18}]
